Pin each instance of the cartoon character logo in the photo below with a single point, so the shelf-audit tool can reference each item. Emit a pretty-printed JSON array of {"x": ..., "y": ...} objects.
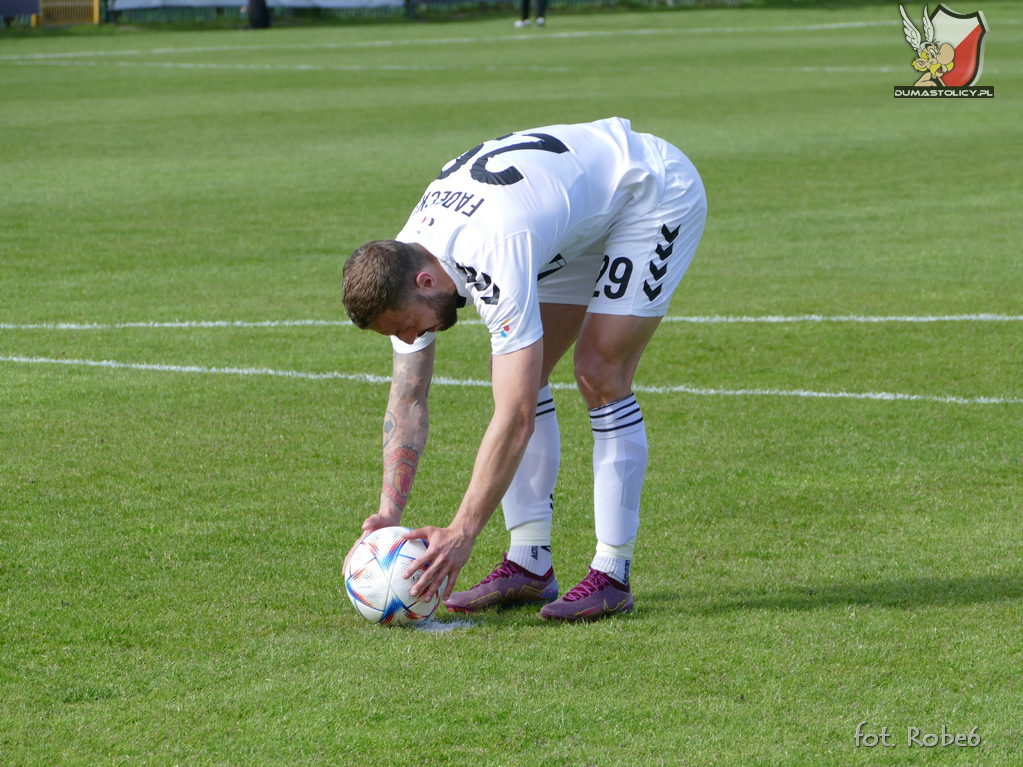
[{"x": 950, "y": 52}]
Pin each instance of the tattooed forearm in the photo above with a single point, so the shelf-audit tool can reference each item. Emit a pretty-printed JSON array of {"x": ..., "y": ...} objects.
[
  {"x": 400, "y": 467},
  {"x": 390, "y": 427},
  {"x": 409, "y": 379},
  {"x": 404, "y": 442},
  {"x": 406, "y": 426}
]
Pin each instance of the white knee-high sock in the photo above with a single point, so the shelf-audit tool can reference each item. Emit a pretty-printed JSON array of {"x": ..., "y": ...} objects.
[
  {"x": 530, "y": 546},
  {"x": 619, "y": 467},
  {"x": 528, "y": 505},
  {"x": 616, "y": 561}
]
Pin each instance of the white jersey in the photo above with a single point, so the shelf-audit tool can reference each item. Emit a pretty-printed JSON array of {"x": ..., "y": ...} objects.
[{"x": 518, "y": 207}]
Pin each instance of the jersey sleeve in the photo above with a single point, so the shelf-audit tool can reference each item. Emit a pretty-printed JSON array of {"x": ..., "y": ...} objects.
[
  {"x": 400, "y": 347},
  {"x": 510, "y": 306}
]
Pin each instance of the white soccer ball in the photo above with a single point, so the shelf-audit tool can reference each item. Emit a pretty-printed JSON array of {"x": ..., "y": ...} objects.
[{"x": 375, "y": 583}]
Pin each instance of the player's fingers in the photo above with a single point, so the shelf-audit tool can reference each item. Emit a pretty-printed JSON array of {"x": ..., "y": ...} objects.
[
  {"x": 420, "y": 532},
  {"x": 426, "y": 566},
  {"x": 423, "y": 560},
  {"x": 375, "y": 522},
  {"x": 449, "y": 584},
  {"x": 434, "y": 578}
]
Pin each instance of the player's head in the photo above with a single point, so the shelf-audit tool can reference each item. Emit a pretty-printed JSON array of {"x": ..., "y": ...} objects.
[
  {"x": 396, "y": 289},
  {"x": 378, "y": 276}
]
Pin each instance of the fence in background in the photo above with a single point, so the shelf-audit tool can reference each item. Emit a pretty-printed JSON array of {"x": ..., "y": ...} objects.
[{"x": 68, "y": 12}]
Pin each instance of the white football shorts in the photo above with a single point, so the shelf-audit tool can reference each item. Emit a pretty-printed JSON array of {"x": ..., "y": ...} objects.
[{"x": 635, "y": 269}]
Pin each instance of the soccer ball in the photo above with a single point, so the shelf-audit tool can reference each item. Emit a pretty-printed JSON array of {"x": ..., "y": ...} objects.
[{"x": 375, "y": 583}]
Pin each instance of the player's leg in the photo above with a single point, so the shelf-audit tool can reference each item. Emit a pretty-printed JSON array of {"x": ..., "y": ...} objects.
[
  {"x": 524, "y": 16},
  {"x": 528, "y": 506},
  {"x": 526, "y": 574},
  {"x": 644, "y": 263},
  {"x": 606, "y": 357},
  {"x": 608, "y": 353}
]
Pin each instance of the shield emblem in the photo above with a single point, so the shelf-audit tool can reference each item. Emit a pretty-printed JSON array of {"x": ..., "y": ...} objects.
[{"x": 965, "y": 33}]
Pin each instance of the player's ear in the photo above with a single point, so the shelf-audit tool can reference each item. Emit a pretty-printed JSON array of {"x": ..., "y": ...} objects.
[{"x": 425, "y": 280}]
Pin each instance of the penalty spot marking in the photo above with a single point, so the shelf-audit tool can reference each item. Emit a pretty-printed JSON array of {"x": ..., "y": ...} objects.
[
  {"x": 433, "y": 626},
  {"x": 444, "y": 381}
]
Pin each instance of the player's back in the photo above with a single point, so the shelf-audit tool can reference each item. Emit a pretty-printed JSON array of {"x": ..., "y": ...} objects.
[{"x": 564, "y": 184}]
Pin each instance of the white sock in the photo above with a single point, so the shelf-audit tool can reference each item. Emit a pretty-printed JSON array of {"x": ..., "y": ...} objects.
[
  {"x": 619, "y": 468},
  {"x": 530, "y": 497},
  {"x": 616, "y": 561},
  {"x": 531, "y": 546}
]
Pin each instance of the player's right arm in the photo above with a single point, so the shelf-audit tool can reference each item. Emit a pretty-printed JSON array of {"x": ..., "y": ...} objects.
[{"x": 406, "y": 426}]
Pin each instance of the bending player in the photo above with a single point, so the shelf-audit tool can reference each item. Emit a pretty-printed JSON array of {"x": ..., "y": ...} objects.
[{"x": 561, "y": 234}]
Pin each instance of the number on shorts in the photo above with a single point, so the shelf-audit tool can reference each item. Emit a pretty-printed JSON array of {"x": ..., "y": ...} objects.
[{"x": 618, "y": 272}]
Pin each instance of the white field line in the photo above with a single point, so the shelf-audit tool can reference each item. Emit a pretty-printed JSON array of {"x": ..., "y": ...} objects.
[
  {"x": 430, "y": 68},
  {"x": 296, "y": 67},
  {"x": 444, "y": 381},
  {"x": 450, "y": 41},
  {"x": 694, "y": 320},
  {"x": 854, "y": 318},
  {"x": 183, "y": 324},
  {"x": 366, "y": 68}
]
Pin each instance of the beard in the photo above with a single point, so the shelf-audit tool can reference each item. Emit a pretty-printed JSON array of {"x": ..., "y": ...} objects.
[{"x": 445, "y": 306}]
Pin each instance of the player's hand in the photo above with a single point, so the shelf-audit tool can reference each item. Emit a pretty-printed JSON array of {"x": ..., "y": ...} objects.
[
  {"x": 446, "y": 554},
  {"x": 374, "y": 522},
  {"x": 381, "y": 519}
]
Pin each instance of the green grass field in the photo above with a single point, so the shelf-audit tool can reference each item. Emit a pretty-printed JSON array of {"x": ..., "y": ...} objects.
[{"x": 190, "y": 432}]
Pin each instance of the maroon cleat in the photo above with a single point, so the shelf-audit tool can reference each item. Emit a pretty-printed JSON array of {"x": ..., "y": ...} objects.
[
  {"x": 507, "y": 585},
  {"x": 597, "y": 595}
]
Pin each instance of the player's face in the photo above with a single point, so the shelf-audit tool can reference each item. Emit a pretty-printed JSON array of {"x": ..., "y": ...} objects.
[
  {"x": 445, "y": 305},
  {"x": 427, "y": 313}
]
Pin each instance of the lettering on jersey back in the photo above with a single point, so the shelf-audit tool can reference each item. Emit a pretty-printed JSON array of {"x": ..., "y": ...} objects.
[{"x": 460, "y": 202}]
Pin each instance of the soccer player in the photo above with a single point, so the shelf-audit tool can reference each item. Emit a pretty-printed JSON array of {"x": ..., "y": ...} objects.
[{"x": 561, "y": 234}]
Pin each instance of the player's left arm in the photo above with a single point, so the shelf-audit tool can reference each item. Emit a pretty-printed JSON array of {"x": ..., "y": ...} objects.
[{"x": 516, "y": 381}]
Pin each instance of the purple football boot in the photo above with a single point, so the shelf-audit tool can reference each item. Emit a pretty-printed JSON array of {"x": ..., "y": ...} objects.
[
  {"x": 507, "y": 585},
  {"x": 596, "y": 596}
]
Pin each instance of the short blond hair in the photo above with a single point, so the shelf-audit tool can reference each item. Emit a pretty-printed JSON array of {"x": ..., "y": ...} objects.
[{"x": 379, "y": 275}]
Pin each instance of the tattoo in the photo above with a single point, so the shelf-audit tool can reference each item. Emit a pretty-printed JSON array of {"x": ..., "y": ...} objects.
[
  {"x": 406, "y": 424},
  {"x": 399, "y": 472},
  {"x": 409, "y": 381},
  {"x": 390, "y": 426}
]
